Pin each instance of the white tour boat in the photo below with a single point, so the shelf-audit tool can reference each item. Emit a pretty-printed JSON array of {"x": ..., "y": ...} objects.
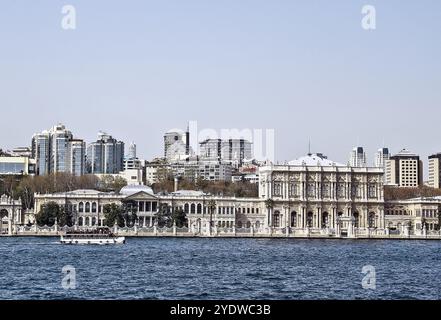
[{"x": 96, "y": 236}]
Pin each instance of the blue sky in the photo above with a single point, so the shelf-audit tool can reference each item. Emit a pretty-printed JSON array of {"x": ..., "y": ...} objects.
[{"x": 303, "y": 68}]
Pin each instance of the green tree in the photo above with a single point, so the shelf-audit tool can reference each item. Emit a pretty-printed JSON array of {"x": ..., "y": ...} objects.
[
  {"x": 50, "y": 212},
  {"x": 180, "y": 218},
  {"x": 112, "y": 213},
  {"x": 164, "y": 216},
  {"x": 129, "y": 213}
]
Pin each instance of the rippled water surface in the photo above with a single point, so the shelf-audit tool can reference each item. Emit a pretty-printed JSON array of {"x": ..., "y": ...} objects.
[{"x": 177, "y": 268}]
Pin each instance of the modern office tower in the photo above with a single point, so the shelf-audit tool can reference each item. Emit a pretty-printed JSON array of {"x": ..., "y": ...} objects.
[
  {"x": 233, "y": 151},
  {"x": 381, "y": 156},
  {"x": 176, "y": 145},
  {"x": 435, "y": 170},
  {"x": 41, "y": 151},
  {"x": 52, "y": 151},
  {"x": 132, "y": 151},
  {"x": 106, "y": 155},
  {"x": 78, "y": 157},
  {"x": 60, "y": 139},
  {"x": 357, "y": 157},
  {"x": 404, "y": 169}
]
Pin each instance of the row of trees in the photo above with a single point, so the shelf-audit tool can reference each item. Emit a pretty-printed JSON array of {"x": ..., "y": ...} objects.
[
  {"x": 25, "y": 186},
  {"x": 401, "y": 193},
  {"x": 123, "y": 215},
  {"x": 238, "y": 189}
]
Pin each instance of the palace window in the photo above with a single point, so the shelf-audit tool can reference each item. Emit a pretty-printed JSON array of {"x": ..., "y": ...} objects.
[
  {"x": 293, "y": 189},
  {"x": 325, "y": 190},
  {"x": 341, "y": 190},
  {"x": 276, "y": 222},
  {"x": 277, "y": 188},
  {"x": 293, "y": 219},
  {"x": 309, "y": 218},
  {"x": 371, "y": 220},
  {"x": 372, "y": 191},
  {"x": 325, "y": 220},
  {"x": 311, "y": 189}
]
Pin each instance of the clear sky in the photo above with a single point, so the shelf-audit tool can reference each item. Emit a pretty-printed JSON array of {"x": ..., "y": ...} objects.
[{"x": 306, "y": 69}]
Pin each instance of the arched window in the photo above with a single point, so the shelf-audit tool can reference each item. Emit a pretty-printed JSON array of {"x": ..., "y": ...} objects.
[
  {"x": 199, "y": 208},
  {"x": 276, "y": 221},
  {"x": 239, "y": 224},
  {"x": 248, "y": 224},
  {"x": 293, "y": 219},
  {"x": 257, "y": 224},
  {"x": 186, "y": 208},
  {"x": 81, "y": 207},
  {"x": 93, "y": 221},
  {"x": 309, "y": 218},
  {"x": 80, "y": 221},
  {"x": 325, "y": 220},
  {"x": 87, "y": 206},
  {"x": 3, "y": 213},
  {"x": 223, "y": 224},
  {"x": 94, "y": 207},
  {"x": 86, "y": 221},
  {"x": 193, "y": 208},
  {"x": 371, "y": 220}
]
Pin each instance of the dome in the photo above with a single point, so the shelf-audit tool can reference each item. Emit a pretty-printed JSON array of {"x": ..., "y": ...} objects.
[
  {"x": 174, "y": 131},
  {"x": 314, "y": 160},
  {"x": 132, "y": 189}
]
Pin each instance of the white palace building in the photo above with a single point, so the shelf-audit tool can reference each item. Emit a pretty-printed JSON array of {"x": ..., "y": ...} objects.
[{"x": 307, "y": 197}]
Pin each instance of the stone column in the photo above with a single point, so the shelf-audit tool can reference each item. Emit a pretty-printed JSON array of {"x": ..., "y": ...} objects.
[{"x": 9, "y": 227}]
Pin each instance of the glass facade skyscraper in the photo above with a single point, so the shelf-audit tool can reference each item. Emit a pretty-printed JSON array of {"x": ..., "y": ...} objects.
[
  {"x": 105, "y": 156},
  {"x": 56, "y": 151}
]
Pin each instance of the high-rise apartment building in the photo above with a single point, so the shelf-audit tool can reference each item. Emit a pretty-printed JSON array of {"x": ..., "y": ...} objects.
[
  {"x": 176, "y": 145},
  {"x": 106, "y": 155},
  {"x": 57, "y": 151},
  {"x": 435, "y": 170},
  {"x": 404, "y": 169},
  {"x": 77, "y": 154},
  {"x": 357, "y": 157},
  {"x": 233, "y": 151},
  {"x": 132, "y": 151},
  {"x": 381, "y": 156}
]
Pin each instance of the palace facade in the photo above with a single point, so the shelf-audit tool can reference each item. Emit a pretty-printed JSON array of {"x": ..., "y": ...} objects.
[
  {"x": 314, "y": 192},
  {"x": 306, "y": 197}
]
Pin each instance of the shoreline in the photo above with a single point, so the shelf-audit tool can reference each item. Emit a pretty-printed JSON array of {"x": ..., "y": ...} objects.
[{"x": 394, "y": 237}]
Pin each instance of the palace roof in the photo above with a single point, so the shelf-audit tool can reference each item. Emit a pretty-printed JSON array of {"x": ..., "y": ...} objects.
[{"x": 314, "y": 160}]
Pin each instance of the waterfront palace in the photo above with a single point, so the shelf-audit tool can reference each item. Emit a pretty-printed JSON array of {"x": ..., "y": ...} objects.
[{"x": 309, "y": 196}]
